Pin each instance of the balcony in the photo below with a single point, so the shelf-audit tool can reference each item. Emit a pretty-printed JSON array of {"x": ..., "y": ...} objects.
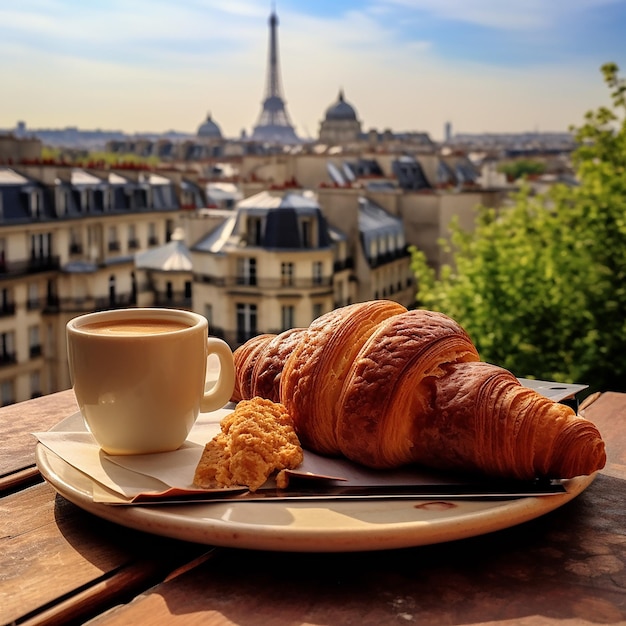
[
  {"x": 343, "y": 264},
  {"x": 7, "y": 309},
  {"x": 88, "y": 304},
  {"x": 7, "y": 358},
  {"x": 263, "y": 284},
  {"x": 388, "y": 257},
  {"x": 176, "y": 300},
  {"x": 29, "y": 266}
]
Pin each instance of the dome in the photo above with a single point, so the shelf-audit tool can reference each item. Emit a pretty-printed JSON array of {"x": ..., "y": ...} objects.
[
  {"x": 209, "y": 129},
  {"x": 341, "y": 110}
]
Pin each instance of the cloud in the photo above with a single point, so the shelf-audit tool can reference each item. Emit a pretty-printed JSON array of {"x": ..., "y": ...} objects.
[{"x": 510, "y": 15}]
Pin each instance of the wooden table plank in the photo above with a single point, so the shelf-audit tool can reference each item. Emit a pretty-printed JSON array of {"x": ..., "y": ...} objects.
[
  {"x": 608, "y": 413},
  {"x": 17, "y": 447},
  {"x": 569, "y": 565},
  {"x": 50, "y": 549}
]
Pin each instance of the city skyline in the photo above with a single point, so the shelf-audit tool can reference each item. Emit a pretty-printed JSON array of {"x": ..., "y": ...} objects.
[{"x": 409, "y": 65}]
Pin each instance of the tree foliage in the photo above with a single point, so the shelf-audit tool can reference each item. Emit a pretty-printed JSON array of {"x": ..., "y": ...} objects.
[
  {"x": 541, "y": 285},
  {"x": 521, "y": 168}
]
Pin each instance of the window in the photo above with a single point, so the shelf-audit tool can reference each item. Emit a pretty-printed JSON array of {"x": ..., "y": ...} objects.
[
  {"x": 382, "y": 244},
  {"x": 40, "y": 245},
  {"x": 373, "y": 249},
  {"x": 306, "y": 230},
  {"x": 246, "y": 271},
  {"x": 208, "y": 313},
  {"x": 133, "y": 242},
  {"x": 7, "y": 347},
  {"x": 246, "y": 321},
  {"x": 85, "y": 200},
  {"x": 114, "y": 244},
  {"x": 286, "y": 274},
  {"x": 400, "y": 241},
  {"x": 75, "y": 241},
  {"x": 62, "y": 199},
  {"x": 33, "y": 296},
  {"x": 318, "y": 269},
  {"x": 36, "y": 203},
  {"x": 7, "y": 305},
  {"x": 287, "y": 316},
  {"x": 3, "y": 253},
  {"x": 94, "y": 240},
  {"x": 7, "y": 392},
  {"x": 112, "y": 291},
  {"x": 34, "y": 341},
  {"x": 35, "y": 384},
  {"x": 153, "y": 240},
  {"x": 108, "y": 199},
  {"x": 317, "y": 310},
  {"x": 255, "y": 231},
  {"x": 50, "y": 340}
]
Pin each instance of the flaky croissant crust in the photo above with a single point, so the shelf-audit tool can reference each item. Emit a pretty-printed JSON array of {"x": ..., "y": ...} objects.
[{"x": 387, "y": 387}]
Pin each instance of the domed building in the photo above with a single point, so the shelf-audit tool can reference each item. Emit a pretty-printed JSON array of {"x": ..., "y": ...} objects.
[
  {"x": 209, "y": 141},
  {"x": 340, "y": 125},
  {"x": 209, "y": 129}
]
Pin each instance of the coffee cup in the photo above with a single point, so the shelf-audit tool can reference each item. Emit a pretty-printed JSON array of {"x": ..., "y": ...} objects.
[{"x": 139, "y": 376}]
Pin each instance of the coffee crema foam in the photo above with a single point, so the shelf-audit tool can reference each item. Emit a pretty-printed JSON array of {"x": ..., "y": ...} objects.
[{"x": 134, "y": 328}]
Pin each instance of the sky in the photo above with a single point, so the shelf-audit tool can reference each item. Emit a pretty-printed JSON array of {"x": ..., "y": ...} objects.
[{"x": 405, "y": 65}]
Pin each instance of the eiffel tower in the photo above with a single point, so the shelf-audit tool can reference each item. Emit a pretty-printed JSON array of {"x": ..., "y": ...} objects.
[{"x": 273, "y": 125}]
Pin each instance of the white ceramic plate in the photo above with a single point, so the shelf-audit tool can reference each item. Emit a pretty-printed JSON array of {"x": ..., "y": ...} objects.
[{"x": 329, "y": 526}]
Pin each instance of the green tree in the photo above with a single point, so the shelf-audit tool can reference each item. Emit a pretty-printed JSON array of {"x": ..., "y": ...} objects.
[
  {"x": 541, "y": 285},
  {"x": 522, "y": 168}
]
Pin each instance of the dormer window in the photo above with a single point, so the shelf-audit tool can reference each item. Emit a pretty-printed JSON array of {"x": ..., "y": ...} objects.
[
  {"x": 85, "y": 200},
  {"x": 36, "y": 203},
  {"x": 255, "y": 231},
  {"x": 373, "y": 249},
  {"x": 400, "y": 241},
  {"x": 108, "y": 199},
  {"x": 307, "y": 232},
  {"x": 62, "y": 199},
  {"x": 382, "y": 246}
]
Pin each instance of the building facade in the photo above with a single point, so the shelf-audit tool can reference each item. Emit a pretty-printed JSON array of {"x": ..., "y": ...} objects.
[{"x": 68, "y": 240}]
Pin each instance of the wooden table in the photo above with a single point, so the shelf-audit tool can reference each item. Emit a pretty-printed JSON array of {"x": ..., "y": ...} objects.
[{"x": 61, "y": 565}]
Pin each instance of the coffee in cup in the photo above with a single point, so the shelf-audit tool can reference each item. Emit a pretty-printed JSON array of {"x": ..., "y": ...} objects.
[{"x": 139, "y": 376}]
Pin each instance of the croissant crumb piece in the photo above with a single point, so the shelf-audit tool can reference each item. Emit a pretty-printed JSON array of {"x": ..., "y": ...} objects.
[{"x": 256, "y": 440}]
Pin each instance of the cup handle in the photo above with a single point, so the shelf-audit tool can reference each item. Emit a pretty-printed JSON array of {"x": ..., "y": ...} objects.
[{"x": 221, "y": 392}]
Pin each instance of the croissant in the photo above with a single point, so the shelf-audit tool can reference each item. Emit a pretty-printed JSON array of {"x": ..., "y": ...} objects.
[{"x": 386, "y": 387}]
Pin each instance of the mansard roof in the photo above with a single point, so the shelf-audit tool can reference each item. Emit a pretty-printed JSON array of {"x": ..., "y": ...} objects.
[
  {"x": 78, "y": 192},
  {"x": 279, "y": 217}
]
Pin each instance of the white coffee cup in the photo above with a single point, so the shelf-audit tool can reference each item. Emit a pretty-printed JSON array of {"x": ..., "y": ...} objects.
[{"x": 139, "y": 376}]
